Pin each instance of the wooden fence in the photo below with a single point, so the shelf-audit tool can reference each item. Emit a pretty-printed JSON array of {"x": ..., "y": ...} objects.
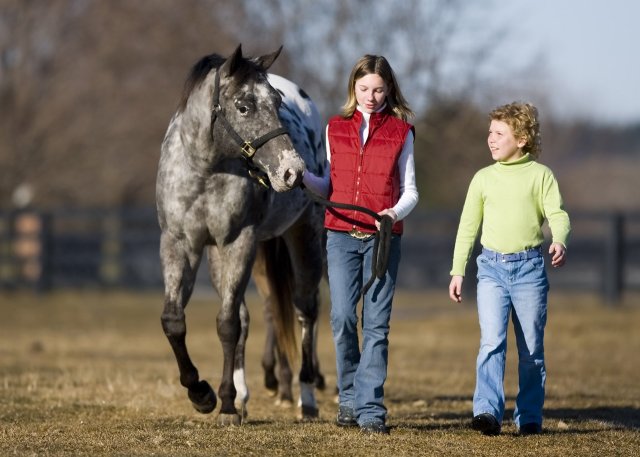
[{"x": 96, "y": 248}]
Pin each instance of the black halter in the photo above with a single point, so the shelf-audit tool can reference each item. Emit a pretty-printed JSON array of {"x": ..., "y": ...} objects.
[{"x": 247, "y": 148}]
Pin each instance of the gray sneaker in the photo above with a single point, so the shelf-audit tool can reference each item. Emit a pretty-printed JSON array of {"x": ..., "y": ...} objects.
[
  {"x": 486, "y": 424},
  {"x": 374, "y": 428},
  {"x": 346, "y": 417},
  {"x": 530, "y": 429}
]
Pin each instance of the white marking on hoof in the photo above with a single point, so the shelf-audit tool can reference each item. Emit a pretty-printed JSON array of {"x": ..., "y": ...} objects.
[
  {"x": 242, "y": 391},
  {"x": 307, "y": 395}
]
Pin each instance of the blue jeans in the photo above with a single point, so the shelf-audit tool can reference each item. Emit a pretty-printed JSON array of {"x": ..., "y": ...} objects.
[
  {"x": 520, "y": 286},
  {"x": 360, "y": 374}
]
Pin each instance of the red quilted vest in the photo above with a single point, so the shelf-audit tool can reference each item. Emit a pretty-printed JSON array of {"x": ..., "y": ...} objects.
[{"x": 365, "y": 176}]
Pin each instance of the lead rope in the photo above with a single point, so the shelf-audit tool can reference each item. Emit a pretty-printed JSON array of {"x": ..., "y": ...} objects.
[{"x": 381, "y": 243}]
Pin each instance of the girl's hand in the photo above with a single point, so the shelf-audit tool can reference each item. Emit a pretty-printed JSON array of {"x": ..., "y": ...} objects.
[
  {"x": 307, "y": 177},
  {"x": 388, "y": 212},
  {"x": 455, "y": 288},
  {"x": 558, "y": 254}
]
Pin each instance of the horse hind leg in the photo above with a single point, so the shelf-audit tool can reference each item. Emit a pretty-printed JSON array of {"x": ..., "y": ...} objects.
[
  {"x": 319, "y": 380},
  {"x": 308, "y": 371},
  {"x": 305, "y": 249},
  {"x": 269, "y": 354},
  {"x": 292, "y": 281},
  {"x": 179, "y": 275},
  {"x": 261, "y": 281},
  {"x": 273, "y": 358}
]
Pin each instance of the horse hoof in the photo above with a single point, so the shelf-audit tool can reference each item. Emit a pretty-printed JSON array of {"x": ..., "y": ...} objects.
[
  {"x": 229, "y": 419},
  {"x": 203, "y": 398},
  {"x": 272, "y": 393},
  {"x": 308, "y": 413},
  {"x": 242, "y": 410},
  {"x": 271, "y": 383},
  {"x": 284, "y": 403}
]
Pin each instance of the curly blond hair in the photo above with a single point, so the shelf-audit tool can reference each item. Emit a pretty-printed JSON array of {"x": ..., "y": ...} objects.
[{"x": 523, "y": 120}]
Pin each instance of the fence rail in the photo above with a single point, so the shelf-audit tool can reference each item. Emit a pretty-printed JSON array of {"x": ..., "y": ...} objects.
[{"x": 82, "y": 248}]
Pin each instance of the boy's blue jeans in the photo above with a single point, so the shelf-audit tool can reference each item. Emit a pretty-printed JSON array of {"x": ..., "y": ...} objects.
[
  {"x": 520, "y": 286},
  {"x": 360, "y": 374}
]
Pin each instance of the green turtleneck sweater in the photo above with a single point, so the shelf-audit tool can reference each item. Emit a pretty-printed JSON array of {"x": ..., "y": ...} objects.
[{"x": 511, "y": 201}]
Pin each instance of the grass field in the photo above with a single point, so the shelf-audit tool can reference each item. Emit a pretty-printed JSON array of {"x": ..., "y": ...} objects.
[{"x": 89, "y": 373}]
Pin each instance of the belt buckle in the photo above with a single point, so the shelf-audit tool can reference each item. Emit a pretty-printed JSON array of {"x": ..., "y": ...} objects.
[{"x": 360, "y": 235}]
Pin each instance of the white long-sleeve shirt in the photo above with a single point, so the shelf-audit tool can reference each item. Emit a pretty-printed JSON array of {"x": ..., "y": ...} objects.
[{"x": 406, "y": 166}]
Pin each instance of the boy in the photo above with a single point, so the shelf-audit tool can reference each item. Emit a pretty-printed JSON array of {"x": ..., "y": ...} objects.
[{"x": 511, "y": 199}]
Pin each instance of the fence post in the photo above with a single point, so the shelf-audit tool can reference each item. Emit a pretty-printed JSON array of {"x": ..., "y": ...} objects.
[
  {"x": 32, "y": 249},
  {"x": 111, "y": 249},
  {"x": 613, "y": 275},
  {"x": 45, "y": 281},
  {"x": 7, "y": 267}
]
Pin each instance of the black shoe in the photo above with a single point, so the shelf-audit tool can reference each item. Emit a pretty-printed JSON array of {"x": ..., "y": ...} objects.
[
  {"x": 374, "y": 428},
  {"x": 346, "y": 417},
  {"x": 530, "y": 429},
  {"x": 486, "y": 424}
]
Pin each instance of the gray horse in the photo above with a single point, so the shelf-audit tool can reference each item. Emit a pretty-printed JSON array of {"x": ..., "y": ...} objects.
[{"x": 228, "y": 182}]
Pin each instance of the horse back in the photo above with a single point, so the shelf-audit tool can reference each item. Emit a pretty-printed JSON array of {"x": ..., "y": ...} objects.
[{"x": 302, "y": 119}]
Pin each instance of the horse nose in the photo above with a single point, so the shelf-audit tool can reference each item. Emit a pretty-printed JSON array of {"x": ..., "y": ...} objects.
[{"x": 292, "y": 177}]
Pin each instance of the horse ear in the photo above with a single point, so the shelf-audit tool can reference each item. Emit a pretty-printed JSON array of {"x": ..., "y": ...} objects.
[
  {"x": 232, "y": 63},
  {"x": 267, "y": 60}
]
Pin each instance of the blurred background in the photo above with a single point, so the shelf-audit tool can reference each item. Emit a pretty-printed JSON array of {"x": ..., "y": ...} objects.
[{"x": 87, "y": 88}]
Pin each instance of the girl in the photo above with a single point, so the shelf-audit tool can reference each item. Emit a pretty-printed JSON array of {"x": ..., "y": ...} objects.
[
  {"x": 511, "y": 199},
  {"x": 370, "y": 150}
]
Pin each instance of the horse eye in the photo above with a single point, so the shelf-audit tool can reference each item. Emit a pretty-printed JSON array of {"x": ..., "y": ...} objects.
[{"x": 243, "y": 110}]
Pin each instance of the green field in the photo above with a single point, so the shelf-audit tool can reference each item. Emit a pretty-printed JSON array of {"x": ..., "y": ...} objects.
[{"x": 89, "y": 373}]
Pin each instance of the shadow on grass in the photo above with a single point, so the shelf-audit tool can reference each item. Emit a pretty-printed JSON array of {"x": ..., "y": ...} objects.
[
  {"x": 609, "y": 417},
  {"x": 623, "y": 417}
]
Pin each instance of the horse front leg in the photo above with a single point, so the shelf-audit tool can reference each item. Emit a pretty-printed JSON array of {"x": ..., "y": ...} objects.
[
  {"x": 239, "y": 374},
  {"x": 239, "y": 377},
  {"x": 179, "y": 269},
  {"x": 236, "y": 260}
]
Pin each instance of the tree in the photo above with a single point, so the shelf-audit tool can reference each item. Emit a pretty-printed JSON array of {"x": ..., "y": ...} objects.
[
  {"x": 87, "y": 90},
  {"x": 442, "y": 53},
  {"x": 88, "y": 87}
]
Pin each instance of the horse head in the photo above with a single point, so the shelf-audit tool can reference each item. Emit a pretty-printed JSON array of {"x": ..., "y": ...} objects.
[{"x": 245, "y": 121}]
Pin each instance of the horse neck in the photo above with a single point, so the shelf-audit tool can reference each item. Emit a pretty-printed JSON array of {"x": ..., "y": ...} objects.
[
  {"x": 195, "y": 129},
  {"x": 197, "y": 113}
]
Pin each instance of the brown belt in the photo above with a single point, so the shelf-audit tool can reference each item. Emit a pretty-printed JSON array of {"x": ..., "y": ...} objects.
[{"x": 360, "y": 235}]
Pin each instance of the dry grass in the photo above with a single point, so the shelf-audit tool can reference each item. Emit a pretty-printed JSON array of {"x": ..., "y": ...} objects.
[{"x": 92, "y": 374}]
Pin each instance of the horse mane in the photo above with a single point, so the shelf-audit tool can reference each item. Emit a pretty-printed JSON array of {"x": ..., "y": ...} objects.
[{"x": 202, "y": 68}]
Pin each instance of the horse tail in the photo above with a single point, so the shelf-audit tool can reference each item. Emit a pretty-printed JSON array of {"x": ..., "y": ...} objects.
[{"x": 279, "y": 273}]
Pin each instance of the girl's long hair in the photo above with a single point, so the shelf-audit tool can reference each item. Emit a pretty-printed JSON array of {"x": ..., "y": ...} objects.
[{"x": 378, "y": 65}]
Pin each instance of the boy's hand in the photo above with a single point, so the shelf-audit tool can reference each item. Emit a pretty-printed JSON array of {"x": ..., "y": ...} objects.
[
  {"x": 455, "y": 288},
  {"x": 558, "y": 254}
]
